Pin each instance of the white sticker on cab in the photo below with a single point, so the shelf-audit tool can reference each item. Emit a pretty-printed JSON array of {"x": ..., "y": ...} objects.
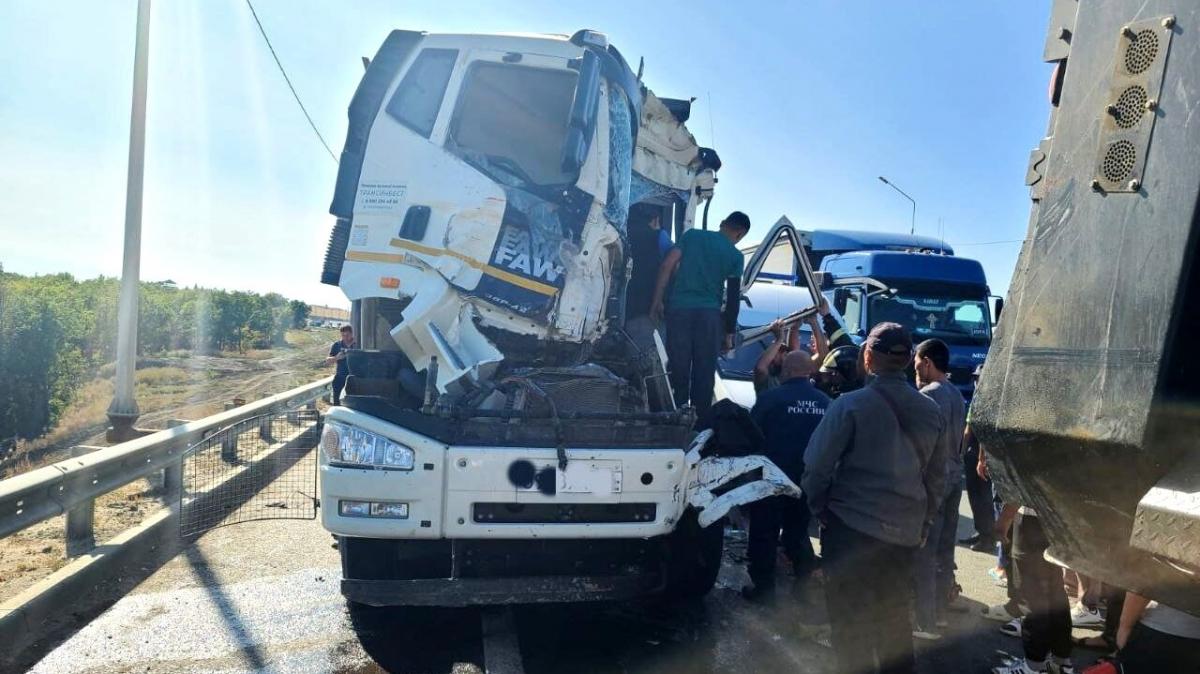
[{"x": 380, "y": 198}]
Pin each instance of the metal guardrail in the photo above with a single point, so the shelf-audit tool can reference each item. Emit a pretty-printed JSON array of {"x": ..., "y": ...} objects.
[{"x": 71, "y": 486}]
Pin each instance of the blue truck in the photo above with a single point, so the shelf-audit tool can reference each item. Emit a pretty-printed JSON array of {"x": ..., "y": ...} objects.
[{"x": 916, "y": 282}]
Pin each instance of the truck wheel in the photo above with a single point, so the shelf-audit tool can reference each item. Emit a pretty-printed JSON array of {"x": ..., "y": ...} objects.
[{"x": 694, "y": 557}]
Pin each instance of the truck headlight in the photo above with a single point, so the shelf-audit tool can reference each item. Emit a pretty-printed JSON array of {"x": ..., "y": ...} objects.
[{"x": 347, "y": 445}]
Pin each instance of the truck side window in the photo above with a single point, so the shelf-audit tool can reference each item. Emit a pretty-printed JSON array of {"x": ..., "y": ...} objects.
[
  {"x": 513, "y": 120},
  {"x": 419, "y": 96},
  {"x": 852, "y": 314}
]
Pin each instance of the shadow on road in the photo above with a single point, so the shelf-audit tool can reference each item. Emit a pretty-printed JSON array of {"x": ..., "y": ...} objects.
[{"x": 234, "y": 623}]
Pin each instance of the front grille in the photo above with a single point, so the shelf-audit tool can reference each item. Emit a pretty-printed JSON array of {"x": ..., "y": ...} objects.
[{"x": 562, "y": 513}]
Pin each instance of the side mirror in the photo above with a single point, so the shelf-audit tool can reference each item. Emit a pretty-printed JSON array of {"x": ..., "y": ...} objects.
[
  {"x": 840, "y": 296},
  {"x": 997, "y": 307},
  {"x": 824, "y": 280},
  {"x": 582, "y": 120}
]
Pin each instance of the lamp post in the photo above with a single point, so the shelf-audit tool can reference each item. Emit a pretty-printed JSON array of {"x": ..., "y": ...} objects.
[
  {"x": 123, "y": 411},
  {"x": 912, "y": 227}
]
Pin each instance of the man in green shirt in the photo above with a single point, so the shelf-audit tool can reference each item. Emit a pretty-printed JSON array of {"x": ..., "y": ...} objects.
[{"x": 706, "y": 266}]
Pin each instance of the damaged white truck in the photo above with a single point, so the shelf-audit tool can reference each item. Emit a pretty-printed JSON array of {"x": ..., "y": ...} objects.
[{"x": 503, "y": 437}]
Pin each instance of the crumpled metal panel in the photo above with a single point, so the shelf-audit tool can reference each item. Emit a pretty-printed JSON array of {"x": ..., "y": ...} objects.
[{"x": 706, "y": 476}]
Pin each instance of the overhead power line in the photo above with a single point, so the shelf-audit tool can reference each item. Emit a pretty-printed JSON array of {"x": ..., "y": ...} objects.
[{"x": 263, "y": 32}]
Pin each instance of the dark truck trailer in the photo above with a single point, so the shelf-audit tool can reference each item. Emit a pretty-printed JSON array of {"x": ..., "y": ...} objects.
[{"x": 1089, "y": 405}]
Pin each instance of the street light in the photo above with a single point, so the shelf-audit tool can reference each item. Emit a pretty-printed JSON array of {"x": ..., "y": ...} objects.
[
  {"x": 913, "y": 227},
  {"x": 123, "y": 411}
]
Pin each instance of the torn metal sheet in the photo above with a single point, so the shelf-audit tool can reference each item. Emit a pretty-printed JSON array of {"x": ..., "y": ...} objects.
[
  {"x": 665, "y": 148},
  {"x": 706, "y": 476}
]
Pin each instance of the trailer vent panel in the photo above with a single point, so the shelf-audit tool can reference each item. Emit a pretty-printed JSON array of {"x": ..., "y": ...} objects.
[
  {"x": 1119, "y": 160},
  {"x": 1130, "y": 106},
  {"x": 1141, "y": 52}
]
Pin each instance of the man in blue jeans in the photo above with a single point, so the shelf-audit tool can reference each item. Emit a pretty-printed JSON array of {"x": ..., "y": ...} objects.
[
  {"x": 704, "y": 264},
  {"x": 935, "y": 560}
]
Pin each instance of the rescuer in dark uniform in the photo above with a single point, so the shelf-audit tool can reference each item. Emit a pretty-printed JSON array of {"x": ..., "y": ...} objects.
[
  {"x": 840, "y": 372},
  {"x": 787, "y": 415}
]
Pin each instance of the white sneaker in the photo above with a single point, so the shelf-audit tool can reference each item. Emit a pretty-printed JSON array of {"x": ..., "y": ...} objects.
[
  {"x": 1082, "y": 616},
  {"x": 925, "y": 635},
  {"x": 1012, "y": 628},
  {"x": 1016, "y": 667}
]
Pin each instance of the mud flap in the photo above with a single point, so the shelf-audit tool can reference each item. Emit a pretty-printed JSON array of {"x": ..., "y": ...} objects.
[{"x": 718, "y": 483}]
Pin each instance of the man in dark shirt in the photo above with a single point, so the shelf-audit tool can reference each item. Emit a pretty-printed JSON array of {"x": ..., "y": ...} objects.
[
  {"x": 648, "y": 245},
  {"x": 979, "y": 490},
  {"x": 337, "y": 354},
  {"x": 703, "y": 264},
  {"x": 787, "y": 415}
]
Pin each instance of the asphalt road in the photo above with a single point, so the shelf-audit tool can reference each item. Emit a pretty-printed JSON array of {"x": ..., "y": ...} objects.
[{"x": 263, "y": 597}]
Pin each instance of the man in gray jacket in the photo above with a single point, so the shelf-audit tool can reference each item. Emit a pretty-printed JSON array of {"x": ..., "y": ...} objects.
[{"x": 873, "y": 475}]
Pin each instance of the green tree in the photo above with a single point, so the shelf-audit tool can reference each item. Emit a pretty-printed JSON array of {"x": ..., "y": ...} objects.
[
  {"x": 300, "y": 313},
  {"x": 57, "y": 331}
]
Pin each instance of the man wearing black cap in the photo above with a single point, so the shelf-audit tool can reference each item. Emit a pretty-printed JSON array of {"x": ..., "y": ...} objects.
[{"x": 873, "y": 470}]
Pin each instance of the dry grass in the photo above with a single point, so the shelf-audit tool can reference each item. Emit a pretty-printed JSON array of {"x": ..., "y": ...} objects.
[
  {"x": 162, "y": 376},
  {"x": 80, "y": 418}
]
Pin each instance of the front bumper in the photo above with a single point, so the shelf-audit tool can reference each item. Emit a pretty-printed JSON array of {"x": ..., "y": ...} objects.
[{"x": 480, "y": 492}]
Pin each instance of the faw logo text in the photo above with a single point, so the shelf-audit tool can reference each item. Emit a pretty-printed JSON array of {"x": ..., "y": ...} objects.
[{"x": 517, "y": 251}]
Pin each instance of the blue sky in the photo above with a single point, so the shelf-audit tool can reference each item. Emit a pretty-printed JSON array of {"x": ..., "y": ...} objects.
[{"x": 808, "y": 103}]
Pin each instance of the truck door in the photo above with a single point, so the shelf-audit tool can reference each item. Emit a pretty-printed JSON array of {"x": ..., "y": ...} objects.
[{"x": 785, "y": 237}]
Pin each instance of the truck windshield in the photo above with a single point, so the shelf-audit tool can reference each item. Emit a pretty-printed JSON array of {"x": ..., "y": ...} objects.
[
  {"x": 512, "y": 120},
  {"x": 954, "y": 320}
]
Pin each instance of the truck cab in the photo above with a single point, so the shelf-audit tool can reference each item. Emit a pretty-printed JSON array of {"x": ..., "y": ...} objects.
[
  {"x": 506, "y": 435},
  {"x": 933, "y": 296}
]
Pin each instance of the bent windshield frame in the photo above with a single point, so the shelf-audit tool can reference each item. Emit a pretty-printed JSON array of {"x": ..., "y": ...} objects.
[{"x": 511, "y": 121}]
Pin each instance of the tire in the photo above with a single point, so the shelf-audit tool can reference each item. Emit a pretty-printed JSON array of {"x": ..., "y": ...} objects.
[{"x": 693, "y": 558}]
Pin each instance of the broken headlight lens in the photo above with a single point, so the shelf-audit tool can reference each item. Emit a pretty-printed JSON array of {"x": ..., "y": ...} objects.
[{"x": 348, "y": 445}]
